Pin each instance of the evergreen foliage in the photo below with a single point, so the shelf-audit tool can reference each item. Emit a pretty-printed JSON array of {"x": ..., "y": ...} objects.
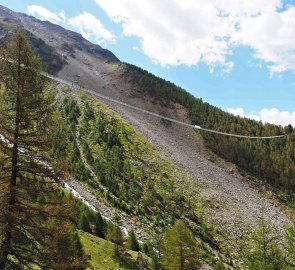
[
  {"x": 137, "y": 180},
  {"x": 265, "y": 253},
  {"x": 116, "y": 236},
  {"x": 92, "y": 222},
  {"x": 84, "y": 223},
  {"x": 126, "y": 165},
  {"x": 100, "y": 225},
  {"x": 273, "y": 161},
  {"x": 150, "y": 250},
  {"x": 64, "y": 146},
  {"x": 35, "y": 218},
  {"x": 290, "y": 245},
  {"x": 132, "y": 242},
  {"x": 181, "y": 251}
]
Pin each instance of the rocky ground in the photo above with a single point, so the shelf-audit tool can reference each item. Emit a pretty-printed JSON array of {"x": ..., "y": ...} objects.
[
  {"x": 232, "y": 203},
  {"x": 108, "y": 212}
]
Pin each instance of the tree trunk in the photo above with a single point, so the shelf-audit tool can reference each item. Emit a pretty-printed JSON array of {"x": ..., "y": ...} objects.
[{"x": 7, "y": 234}]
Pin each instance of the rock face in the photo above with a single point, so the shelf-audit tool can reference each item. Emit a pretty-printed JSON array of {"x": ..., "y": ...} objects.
[
  {"x": 51, "y": 42},
  {"x": 233, "y": 203}
]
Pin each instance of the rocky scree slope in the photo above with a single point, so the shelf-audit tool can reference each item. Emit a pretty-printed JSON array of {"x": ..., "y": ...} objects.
[
  {"x": 233, "y": 203},
  {"x": 57, "y": 46}
]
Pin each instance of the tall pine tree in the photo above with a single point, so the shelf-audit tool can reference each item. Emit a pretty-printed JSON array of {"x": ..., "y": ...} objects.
[
  {"x": 116, "y": 236},
  {"x": 132, "y": 242},
  {"x": 180, "y": 248},
  {"x": 265, "y": 254},
  {"x": 32, "y": 207},
  {"x": 290, "y": 245}
]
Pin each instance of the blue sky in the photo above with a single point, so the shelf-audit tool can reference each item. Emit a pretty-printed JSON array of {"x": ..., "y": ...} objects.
[{"x": 238, "y": 55}]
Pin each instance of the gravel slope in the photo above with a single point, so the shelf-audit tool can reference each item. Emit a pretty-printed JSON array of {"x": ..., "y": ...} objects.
[{"x": 234, "y": 204}]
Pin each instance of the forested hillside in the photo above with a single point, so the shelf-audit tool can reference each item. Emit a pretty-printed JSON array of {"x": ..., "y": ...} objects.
[
  {"x": 147, "y": 188},
  {"x": 48, "y": 140},
  {"x": 129, "y": 173},
  {"x": 39, "y": 220},
  {"x": 273, "y": 161}
]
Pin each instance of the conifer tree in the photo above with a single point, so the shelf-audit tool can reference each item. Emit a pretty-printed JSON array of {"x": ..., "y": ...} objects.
[
  {"x": 153, "y": 253},
  {"x": 180, "y": 248},
  {"x": 265, "y": 253},
  {"x": 100, "y": 225},
  {"x": 132, "y": 242},
  {"x": 116, "y": 236},
  {"x": 84, "y": 224},
  {"x": 32, "y": 209},
  {"x": 290, "y": 245}
]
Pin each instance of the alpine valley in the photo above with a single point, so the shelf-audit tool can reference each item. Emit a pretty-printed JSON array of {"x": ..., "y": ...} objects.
[{"x": 108, "y": 186}]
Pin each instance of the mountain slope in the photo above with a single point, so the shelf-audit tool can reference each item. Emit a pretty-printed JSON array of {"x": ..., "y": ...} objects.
[
  {"x": 101, "y": 257},
  {"x": 98, "y": 69},
  {"x": 234, "y": 203},
  {"x": 143, "y": 189},
  {"x": 231, "y": 201},
  {"x": 56, "y": 46}
]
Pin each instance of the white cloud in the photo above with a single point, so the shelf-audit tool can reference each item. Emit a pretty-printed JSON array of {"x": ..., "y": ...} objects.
[
  {"x": 45, "y": 14},
  {"x": 237, "y": 111},
  {"x": 88, "y": 25},
  {"x": 272, "y": 36},
  {"x": 91, "y": 27},
  {"x": 273, "y": 116},
  {"x": 174, "y": 32},
  {"x": 135, "y": 48},
  {"x": 62, "y": 15}
]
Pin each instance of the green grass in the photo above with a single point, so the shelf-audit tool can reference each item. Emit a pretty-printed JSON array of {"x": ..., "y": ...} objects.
[{"x": 101, "y": 257}]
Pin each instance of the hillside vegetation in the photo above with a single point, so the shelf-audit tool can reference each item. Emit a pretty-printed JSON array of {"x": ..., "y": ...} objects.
[
  {"x": 100, "y": 252},
  {"x": 270, "y": 160},
  {"x": 48, "y": 140},
  {"x": 138, "y": 181},
  {"x": 129, "y": 175},
  {"x": 36, "y": 219}
]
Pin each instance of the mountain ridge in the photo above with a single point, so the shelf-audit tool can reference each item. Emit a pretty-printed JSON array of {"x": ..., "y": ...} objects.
[
  {"x": 231, "y": 200},
  {"x": 113, "y": 79}
]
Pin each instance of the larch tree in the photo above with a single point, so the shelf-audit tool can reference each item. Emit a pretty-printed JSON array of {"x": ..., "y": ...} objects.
[
  {"x": 265, "y": 253},
  {"x": 181, "y": 251},
  {"x": 32, "y": 207},
  {"x": 133, "y": 244},
  {"x": 116, "y": 236},
  {"x": 290, "y": 245}
]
